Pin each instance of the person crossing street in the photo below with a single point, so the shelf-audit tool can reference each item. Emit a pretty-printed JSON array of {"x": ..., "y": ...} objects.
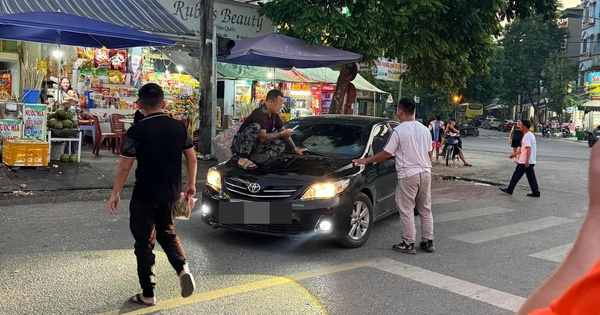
[{"x": 527, "y": 154}]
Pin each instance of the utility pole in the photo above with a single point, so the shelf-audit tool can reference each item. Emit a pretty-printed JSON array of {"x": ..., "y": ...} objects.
[{"x": 206, "y": 78}]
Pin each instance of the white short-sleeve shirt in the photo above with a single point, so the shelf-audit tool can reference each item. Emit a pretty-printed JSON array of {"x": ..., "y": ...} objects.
[
  {"x": 528, "y": 141},
  {"x": 410, "y": 142}
]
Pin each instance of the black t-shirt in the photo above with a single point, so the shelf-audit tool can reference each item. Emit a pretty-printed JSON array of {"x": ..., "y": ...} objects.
[
  {"x": 157, "y": 142},
  {"x": 261, "y": 117}
]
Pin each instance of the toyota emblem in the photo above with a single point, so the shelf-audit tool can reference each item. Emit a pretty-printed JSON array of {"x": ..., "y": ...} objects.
[{"x": 253, "y": 187}]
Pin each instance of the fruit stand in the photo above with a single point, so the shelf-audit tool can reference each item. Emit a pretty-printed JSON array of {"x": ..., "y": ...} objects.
[{"x": 62, "y": 127}]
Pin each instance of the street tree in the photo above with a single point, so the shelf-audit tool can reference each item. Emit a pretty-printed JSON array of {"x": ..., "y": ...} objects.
[
  {"x": 529, "y": 44},
  {"x": 558, "y": 77},
  {"x": 442, "y": 42},
  {"x": 484, "y": 88}
]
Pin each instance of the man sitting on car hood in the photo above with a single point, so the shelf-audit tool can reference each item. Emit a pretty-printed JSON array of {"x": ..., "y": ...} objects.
[{"x": 256, "y": 140}]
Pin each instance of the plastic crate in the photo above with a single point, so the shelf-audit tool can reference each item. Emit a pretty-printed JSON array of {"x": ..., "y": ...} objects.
[{"x": 25, "y": 152}]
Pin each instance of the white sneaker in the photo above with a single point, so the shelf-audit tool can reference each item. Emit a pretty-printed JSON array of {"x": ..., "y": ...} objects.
[{"x": 186, "y": 280}]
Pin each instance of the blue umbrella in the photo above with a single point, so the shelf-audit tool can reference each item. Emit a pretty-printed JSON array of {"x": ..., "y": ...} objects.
[
  {"x": 61, "y": 28},
  {"x": 280, "y": 51}
]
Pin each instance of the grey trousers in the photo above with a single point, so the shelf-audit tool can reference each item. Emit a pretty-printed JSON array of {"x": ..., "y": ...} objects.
[{"x": 415, "y": 191}]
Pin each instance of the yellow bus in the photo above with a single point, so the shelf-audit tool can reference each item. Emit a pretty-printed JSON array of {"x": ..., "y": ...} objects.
[{"x": 468, "y": 111}]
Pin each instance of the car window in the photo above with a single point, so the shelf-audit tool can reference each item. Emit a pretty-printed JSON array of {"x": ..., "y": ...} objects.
[{"x": 337, "y": 139}]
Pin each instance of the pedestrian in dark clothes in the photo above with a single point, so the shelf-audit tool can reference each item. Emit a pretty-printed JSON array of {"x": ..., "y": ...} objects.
[
  {"x": 515, "y": 138},
  {"x": 527, "y": 159},
  {"x": 157, "y": 142}
]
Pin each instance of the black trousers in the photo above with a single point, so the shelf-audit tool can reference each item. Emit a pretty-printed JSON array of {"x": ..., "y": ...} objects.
[
  {"x": 518, "y": 174},
  {"x": 151, "y": 222}
]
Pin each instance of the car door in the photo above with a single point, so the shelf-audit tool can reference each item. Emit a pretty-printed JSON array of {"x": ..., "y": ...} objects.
[{"x": 385, "y": 181}]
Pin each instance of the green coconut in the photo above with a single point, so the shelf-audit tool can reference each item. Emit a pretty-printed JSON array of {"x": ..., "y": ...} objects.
[
  {"x": 51, "y": 122},
  {"x": 60, "y": 113},
  {"x": 73, "y": 158},
  {"x": 58, "y": 125},
  {"x": 67, "y": 123},
  {"x": 64, "y": 158}
]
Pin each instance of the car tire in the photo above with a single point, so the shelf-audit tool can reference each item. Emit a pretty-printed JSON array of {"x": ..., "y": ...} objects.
[
  {"x": 355, "y": 239},
  {"x": 591, "y": 141}
]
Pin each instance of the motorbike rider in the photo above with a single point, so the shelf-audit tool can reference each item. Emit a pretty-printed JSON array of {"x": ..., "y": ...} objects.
[{"x": 451, "y": 131}]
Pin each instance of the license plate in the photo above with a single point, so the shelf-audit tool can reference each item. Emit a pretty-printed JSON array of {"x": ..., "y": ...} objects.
[{"x": 255, "y": 212}]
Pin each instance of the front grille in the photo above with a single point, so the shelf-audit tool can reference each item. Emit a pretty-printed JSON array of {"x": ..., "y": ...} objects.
[
  {"x": 239, "y": 188},
  {"x": 288, "y": 229}
]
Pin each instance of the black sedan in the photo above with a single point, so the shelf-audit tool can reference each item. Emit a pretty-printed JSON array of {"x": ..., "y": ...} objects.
[{"x": 320, "y": 194}]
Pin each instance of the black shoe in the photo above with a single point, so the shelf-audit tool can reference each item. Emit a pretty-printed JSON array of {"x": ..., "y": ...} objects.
[
  {"x": 505, "y": 190},
  {"x": 537, "y": 195},
  {"x": 405, "y": 248},
  {"x": 427, "y": 246}
]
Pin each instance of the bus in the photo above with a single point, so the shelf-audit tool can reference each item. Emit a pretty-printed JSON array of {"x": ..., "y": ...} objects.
[{"x": 467, "y": 111}]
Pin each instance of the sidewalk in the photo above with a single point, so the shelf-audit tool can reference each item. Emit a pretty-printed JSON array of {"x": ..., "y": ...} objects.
[{"x": 93, "y": 172}]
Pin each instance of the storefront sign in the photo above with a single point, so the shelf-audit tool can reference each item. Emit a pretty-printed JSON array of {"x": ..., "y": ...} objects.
[
  {"x": 388, "y": 71},
  {"x": 594, "y": 85},
  {"x": 10, "y": 129},
  {"x": 232, "y": 20},
  {"x": 34, "y": 122}
]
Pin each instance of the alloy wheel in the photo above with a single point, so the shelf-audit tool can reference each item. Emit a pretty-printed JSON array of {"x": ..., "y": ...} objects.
[{"x": 360, "y": 219}]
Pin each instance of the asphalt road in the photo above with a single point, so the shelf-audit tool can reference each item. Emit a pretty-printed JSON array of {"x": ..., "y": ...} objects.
[{"x": 63, "y": 254}]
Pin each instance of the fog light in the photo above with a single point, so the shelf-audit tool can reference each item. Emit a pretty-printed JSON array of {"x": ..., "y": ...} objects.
[
  {"x": 325, "y": 226},
  {"x": 205, "y": 209}
]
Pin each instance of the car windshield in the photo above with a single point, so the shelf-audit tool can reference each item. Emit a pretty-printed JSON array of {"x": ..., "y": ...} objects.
[{"x": 338, "y": 140}]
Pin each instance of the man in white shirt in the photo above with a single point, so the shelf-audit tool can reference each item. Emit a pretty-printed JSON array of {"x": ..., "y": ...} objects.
[
  {"x": 527, "y": 159},
  {"x": 410, "y": 143}
]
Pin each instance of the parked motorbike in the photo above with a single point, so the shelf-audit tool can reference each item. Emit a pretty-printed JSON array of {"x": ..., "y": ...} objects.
[
  {"x": 546, "y": 131},
  {"x": 565, "y": 131},
  {"x": 451, "y": 149},
  {"x": 468, "y": 130},
  {"x": 592, "y": 137}
]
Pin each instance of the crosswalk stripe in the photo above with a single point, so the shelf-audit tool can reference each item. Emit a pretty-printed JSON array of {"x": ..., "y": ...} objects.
[
  {"x": 555, "y": 254},
  {"x": 473, "y": 291},
  {"x": 460, "y": 215},
  {"x": 510, "y": 230},
  {"x": 439, "y": 200},
  {"x": 467, "y": 214}
]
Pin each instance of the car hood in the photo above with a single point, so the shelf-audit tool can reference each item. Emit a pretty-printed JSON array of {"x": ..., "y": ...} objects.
[{"x": 303, "y": 168}]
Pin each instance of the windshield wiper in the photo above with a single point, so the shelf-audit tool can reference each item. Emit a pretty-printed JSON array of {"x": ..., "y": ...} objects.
[{"x": 313, "y": 153}]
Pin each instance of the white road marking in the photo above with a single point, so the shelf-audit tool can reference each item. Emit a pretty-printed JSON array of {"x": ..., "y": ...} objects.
[
  {"x": 468, "y": 214},
  {"x": 470, "y": 290},
  {"x": 555, "y": 254},
  {"x": 510, "y": 230},
  {"x": 439, "y": 200}
]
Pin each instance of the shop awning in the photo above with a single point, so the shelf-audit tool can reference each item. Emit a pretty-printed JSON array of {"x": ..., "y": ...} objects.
[
  {"x": 591, "y": 105},
  {"x": 147, "y": 15},
  {"x": 327, "y": 75},
  {"x": 234, "y": 71}
]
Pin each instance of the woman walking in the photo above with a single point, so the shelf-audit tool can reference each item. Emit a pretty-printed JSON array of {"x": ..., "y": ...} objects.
[{"x": 515, "y": 138}]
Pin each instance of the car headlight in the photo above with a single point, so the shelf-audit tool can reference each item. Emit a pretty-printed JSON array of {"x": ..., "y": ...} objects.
[
  {"x": 213, "y": 179},
  {"x": 325, "y": 190}
]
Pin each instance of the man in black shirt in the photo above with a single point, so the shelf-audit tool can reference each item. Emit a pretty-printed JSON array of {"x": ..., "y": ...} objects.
[
  {"x": 256, "y": 139},
  {"x": 157, "y": 142}
]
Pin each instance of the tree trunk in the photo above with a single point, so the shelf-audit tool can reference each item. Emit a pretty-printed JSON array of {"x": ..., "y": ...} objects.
[
  {"x": 206, "y": 60},
  {"x": 341, "y": 88}
]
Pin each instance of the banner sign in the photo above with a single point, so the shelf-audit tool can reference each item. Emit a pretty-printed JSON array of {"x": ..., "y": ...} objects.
[
  {"x": 594, "y": 85},
  {"x": 384, "y": 69},
  {"x": 34, "y": 122},
  {"x": 10, "y": 129}
]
